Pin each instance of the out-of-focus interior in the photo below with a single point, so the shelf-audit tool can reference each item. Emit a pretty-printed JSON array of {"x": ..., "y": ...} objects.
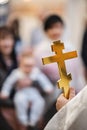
[{"x": 28, "y": 90}]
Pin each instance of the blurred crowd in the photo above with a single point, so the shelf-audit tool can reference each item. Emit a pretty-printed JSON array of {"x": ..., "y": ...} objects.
[{"x": 28, "y": 89}]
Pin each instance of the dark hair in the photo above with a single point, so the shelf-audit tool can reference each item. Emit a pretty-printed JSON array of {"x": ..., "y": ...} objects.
[
  {"x": 5, "y": 32},
  {"x": 15, "y": 29},
  {"x": 51, "y": 20}
]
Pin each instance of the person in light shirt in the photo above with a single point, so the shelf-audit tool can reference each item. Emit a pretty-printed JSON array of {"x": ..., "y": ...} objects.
[{"x": 54, "y": 30}]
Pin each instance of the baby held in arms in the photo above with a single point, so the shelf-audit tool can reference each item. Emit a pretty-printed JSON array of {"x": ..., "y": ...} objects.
[{"x": 26, "y": 93}]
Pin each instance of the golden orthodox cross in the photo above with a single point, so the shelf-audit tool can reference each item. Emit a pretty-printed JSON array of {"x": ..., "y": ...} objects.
[{"x": 60, "y": 57}]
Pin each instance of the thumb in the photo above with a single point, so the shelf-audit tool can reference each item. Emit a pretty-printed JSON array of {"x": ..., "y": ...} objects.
[{"x": 72, "y": 93}]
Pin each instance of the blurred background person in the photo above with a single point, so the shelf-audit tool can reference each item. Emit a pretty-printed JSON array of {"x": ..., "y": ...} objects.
[
  {"x": 54, "y": 29},
  {"x": 8, "y": 62},
  {"x": 8, "y": 59}
]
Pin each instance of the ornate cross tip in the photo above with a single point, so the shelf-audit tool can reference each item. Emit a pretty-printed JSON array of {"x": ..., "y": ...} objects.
[{"x": 60, "y": 58}]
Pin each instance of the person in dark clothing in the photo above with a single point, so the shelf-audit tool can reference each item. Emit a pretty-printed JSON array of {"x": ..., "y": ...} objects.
[
  {"x": 8, "y": 60},
  {"x": 84, "y": 51}
]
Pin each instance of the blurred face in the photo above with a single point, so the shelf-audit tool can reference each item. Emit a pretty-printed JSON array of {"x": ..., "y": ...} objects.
[
  {"x": 27, "y": 65},
  {"x": 6, "y": 45},
  {"x": 55, "y": 32}
]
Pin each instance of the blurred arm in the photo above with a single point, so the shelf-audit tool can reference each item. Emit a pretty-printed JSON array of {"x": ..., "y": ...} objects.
[
  {"x": 8, "y": 85},
  {"x": 44, "y": 82}
]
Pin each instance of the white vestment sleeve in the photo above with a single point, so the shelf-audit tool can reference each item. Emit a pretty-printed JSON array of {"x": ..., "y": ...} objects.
[
  {"x": 8, "y": 84},
  {"x": 73, "y": 116}
]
